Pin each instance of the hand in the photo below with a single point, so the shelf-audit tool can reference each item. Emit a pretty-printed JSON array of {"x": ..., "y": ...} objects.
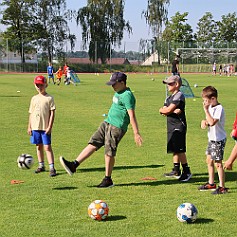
[
  {"x": 177, "y": 111},
  {"x": 206, "y": 104},
  {"x": 203, "y": 124},
  {"x": 29, "y": 131},
  {"x": 138, "y": 139},
  {"x": 228, "y": 165},
  {"x": 48, "y": 131}
]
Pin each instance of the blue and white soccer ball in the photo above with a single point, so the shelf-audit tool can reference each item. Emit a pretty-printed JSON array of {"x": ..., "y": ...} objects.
[{"x": 187, "y": 212}]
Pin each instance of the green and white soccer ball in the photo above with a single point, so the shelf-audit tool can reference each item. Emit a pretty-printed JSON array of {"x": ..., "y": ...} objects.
[
  {"x": 187, "y": 212},
  {"x": 25, "y": 161}
]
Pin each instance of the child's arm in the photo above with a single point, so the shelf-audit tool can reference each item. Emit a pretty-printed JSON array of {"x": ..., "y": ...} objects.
[
  {"x": 51, "y": 120},
  {"x": 133, "y": 121},
  {"x": 209, "y": 119},
  {"x": 29, "y": 130},
  {"x": 166, "y": 110}
]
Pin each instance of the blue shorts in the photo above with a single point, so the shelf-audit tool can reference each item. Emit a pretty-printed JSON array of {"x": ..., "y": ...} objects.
[{"x": 40, "y": 137}]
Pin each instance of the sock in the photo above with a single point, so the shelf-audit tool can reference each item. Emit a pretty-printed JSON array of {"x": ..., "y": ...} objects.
[
  {"x": 186, "y": 168},
  {"x": 51, "y": 166},
  {"x": 76, "y": 163},
  {"x": 41, "y": 164},
  {"x": 107, "y": 177},
  {"x": 176, "y": 167}
]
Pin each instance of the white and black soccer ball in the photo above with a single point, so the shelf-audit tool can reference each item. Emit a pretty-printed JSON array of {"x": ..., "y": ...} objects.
[
  {"x": 187, "y": 212},
  {"x": 25, "y": 161}
]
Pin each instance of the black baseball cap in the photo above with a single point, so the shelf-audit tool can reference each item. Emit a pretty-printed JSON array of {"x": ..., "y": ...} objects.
[{"x": 117, "y": 77}]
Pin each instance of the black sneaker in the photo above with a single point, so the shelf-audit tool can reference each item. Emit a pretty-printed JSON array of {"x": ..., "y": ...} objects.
[
  {"x": 106, "y": 183},
  {"x": 67, "y": 165},
  {"x": 173, "y": 174},
  {"x": 52, "y": 173},
  {"x": 185, "y": 177},
  {"x": 40, "y": 169},
  {"x": 220, "y": 190}
]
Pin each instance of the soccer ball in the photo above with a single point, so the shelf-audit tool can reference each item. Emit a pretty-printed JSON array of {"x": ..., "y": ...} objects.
[
  {"x": 25, "y": 161},
  {"x": 195, "y": 85},
  {"x": 98, "y": 210},
  {"x": 187, "y": 212}
]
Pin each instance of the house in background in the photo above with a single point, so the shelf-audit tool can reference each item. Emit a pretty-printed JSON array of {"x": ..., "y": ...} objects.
[{"x": 112, "y": 61}]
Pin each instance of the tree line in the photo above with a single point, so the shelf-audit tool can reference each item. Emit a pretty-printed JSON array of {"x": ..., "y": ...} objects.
[{"x": 44, "y": 25}]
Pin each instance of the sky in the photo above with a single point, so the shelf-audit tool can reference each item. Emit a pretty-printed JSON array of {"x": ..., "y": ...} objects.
[{"x": 133, "y": 11}]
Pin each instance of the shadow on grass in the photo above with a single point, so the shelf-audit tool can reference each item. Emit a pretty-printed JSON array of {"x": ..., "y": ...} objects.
[
  {"x": 203, "y": 221},
  {"x": 65, "y": 188},
  {"x": 10, "y": 96},
  {"x": 116, "y": 218},
  {"x": 126, "y": 167}
]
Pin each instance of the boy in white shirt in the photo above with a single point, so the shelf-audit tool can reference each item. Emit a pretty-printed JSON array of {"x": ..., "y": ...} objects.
[{"x": 215, "y": 121}]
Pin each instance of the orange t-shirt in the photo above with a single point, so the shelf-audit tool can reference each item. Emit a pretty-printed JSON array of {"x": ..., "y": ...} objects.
[{"x": 59, "y": 73}]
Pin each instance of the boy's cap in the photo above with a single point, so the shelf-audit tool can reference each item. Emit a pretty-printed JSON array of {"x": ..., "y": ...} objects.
[
  {"x": 40, "y": 80},
  {"x": 117, "y": 77},
  {"x": 172, "y": 79}
]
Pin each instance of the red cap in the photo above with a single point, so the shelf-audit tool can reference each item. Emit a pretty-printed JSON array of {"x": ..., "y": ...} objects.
[{"x": 40, "y": 80}]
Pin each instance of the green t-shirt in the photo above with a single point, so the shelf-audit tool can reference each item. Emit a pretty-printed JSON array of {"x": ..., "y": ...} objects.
[{"x": 118, "y": 114}]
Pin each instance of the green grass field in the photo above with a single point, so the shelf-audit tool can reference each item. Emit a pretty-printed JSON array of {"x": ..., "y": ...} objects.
[{"x": 44, "y": 206}]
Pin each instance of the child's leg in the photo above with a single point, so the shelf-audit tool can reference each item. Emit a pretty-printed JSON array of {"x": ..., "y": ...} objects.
[
  {"x": 40, "y": 153},
  {"x": 211, "y": 170},
  {"x": 221, "y": 173},
  {"x": 109, "y": 165},
  {"x": 86, "y": 152},
  {"x": 229, "y": 163},
  {"x": 50, "y": 156}
]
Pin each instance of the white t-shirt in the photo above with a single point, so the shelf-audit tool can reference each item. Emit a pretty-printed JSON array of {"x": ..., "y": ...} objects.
[{"x": 217, "y": 132}]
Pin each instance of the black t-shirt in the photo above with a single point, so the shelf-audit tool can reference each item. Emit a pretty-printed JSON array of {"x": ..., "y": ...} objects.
[
  {"x": 176, "y": 121},
  {"x": 174, "y": 66}
]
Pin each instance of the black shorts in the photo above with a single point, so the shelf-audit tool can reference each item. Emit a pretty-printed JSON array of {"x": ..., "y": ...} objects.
[{"x": 176, "y": 141}]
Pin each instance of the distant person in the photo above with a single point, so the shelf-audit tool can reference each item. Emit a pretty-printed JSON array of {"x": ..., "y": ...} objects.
[
  {"x": 50, "y": 71},
  {"x": 41, "y": 119},
  {"x": 65, "y": 69},
  {"x": 233, "y": 156},
  {"x": 214, "y": 122},
  {"x": 59, "y": 75},
  {"x": 220, "y": 69},
  {"x": 174, "y": 110},
  {"x": 175, "y": 66},
  {"x": 214, "y": 69},
  {"x": 111, "y": 130}
]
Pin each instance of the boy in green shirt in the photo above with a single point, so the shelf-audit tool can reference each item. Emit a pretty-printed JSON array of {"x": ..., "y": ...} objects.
[{"x": 111, "y": 130}]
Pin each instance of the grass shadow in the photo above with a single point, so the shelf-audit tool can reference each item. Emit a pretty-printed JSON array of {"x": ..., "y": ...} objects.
[
  {"x": 116, "y": 218},
  {"x": 126, "y": 167},
  {"x": 65, "y": 188},
  {"x": 203, "y": 221}
]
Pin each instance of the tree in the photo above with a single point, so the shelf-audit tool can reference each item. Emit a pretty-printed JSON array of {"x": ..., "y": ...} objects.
[
  {"x": 102, "y": 25},
  {"x": 36, "y": 23},
  {"x": 206, "y": 30},
  {"x": 50, "y": 26},
  {"x": 18, "y": 19},
  {"x": 156, "y": 16},
  {"x": 228, "y": 27},
  {"x": 177, "y": 29}
]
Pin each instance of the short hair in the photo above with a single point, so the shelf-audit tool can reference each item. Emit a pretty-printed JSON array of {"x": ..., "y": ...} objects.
[{"x": 209, "y": 92}]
